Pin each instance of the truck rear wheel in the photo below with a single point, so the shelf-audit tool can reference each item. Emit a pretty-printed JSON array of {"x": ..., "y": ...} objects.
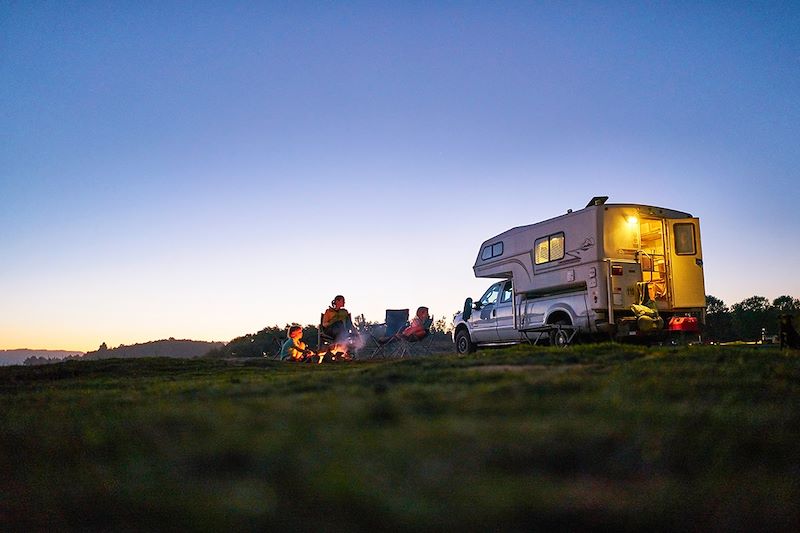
[
  {"x": 464, "y": 344},
  {"x": 560, "y": 337}
]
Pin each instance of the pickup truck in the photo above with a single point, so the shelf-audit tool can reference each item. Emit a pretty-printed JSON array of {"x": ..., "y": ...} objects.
[{"x": 490, "y": 320}]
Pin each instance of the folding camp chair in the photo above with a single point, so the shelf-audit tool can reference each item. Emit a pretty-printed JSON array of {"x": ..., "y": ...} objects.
[
  {"x": 411, "y": 346},
  {"x": 396, "y": 319},
  {"x": 323, "y": 339}
]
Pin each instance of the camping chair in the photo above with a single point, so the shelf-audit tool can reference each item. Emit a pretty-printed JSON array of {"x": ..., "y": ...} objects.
[
  {"x": 396, "y": 319},
  {"x": 275, "y": 352},
  {"x": 414, "y": 346},
  {"x": 323, "y": 339}
]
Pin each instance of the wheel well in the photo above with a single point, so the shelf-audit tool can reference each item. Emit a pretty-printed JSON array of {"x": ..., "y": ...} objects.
[
  {"x": 559, "y": 316},
  {"x": 461, "y": 327}
]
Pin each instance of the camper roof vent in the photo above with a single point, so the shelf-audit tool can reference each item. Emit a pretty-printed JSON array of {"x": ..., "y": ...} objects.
[{"x": 597, "y": 200}]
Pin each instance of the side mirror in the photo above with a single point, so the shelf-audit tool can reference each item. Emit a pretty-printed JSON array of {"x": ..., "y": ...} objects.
[{"x": 467, "y": 309}]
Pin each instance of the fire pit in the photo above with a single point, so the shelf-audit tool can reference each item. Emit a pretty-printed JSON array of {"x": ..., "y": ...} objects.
[{"x": 334, "y": 353}]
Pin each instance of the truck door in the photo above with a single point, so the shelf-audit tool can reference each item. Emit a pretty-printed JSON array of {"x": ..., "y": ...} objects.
[
  {"x": 504, "y": 312},
  {"x": 484, "y": 318},
  {"x": 686, "y": 263}
]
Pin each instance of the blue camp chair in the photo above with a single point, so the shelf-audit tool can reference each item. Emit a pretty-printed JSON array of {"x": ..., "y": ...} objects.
[{"x": 396, "y": 319}]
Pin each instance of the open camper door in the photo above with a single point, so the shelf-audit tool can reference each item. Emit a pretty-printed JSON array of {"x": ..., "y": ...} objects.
[{"x": 686, "y": 258}]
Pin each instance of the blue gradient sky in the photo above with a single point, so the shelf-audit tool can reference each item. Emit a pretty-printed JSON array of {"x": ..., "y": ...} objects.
[{"x": 203, "y": 170}]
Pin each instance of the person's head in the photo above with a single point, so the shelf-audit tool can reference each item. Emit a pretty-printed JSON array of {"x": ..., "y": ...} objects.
[
  {"x": 338, "y": 302},
  {"x": 295, "y": 332},
  {"x": 422, "y": 312}
]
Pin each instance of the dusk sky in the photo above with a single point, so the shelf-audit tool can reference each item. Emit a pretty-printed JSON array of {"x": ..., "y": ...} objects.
[{"x": 204, "y": 170}]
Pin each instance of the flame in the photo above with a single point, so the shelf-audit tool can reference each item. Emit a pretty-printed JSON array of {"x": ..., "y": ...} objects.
[{"x": 336, "y": 352}]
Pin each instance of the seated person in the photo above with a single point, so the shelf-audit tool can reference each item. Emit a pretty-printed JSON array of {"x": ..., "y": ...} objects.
[
  {"x": 293, "y": 348},
  {"x": 336, "y": 322},
  {"x": 416, "y": 328}
]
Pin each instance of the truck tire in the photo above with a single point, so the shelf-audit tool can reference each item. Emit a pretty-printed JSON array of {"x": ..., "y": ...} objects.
[
  {"x": 559, "y": 337},
  {"x": 464, "y": 344}
]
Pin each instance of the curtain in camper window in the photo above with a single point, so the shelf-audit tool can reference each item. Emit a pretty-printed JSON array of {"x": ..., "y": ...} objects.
[
  {"x": 542, "y": 251},
  {"x": 556, "y": 247},
  {"x": 684, "y": 239}
]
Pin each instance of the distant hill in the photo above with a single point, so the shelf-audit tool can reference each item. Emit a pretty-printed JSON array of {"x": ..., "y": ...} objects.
[
  {"x": 183, "y": 349},
  {"x": 18, "y": 357}
]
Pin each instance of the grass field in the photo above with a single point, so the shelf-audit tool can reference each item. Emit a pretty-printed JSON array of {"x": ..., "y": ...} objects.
[{"x": 601, "y": 437}]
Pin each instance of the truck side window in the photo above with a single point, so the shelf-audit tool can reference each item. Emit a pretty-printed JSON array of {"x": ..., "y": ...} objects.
[
  {"x": 506, "y": 297},
  {"x": 490, "y": 296},
  {"x": 550, "y": 248}
]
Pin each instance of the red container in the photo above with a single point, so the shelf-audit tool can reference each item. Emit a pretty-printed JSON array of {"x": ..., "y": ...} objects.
[{"x": 684, "y": 323}]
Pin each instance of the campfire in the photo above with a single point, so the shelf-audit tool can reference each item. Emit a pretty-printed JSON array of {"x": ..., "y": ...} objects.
[{"x": 334, "y": 353}]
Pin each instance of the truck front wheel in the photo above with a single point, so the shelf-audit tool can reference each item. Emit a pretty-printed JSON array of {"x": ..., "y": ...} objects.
[{"x": 464, "y": 344}]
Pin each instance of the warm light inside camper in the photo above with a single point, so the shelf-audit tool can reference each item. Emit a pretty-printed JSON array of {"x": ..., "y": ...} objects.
[{"x": 632, "y": 220}]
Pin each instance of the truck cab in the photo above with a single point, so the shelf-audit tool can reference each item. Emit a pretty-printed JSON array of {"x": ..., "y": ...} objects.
[{"x": 492, "y": 320}]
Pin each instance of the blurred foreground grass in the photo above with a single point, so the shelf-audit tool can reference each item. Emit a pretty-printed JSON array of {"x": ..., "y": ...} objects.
[{"x": 601, "y": 437}]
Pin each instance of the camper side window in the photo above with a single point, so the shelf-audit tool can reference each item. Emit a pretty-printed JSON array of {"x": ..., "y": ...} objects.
[
  {"x": 550, "y": 248},
  {"x": 492, "y": 250}
]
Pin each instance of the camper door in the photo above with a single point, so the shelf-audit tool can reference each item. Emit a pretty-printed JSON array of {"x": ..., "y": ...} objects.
[{"x": 686, "y": 258}]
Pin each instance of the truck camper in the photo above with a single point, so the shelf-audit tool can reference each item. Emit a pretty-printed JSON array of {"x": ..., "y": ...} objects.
[{"x": 607, "y": 270}]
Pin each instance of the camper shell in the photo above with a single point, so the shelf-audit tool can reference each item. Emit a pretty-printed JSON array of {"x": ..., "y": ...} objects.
[{"x": 608, "y": 269}]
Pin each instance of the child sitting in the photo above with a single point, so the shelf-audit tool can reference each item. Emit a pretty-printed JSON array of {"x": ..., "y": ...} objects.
[
  {"x": 416, "y": 329},
  {"x": 294, "y": 349}
]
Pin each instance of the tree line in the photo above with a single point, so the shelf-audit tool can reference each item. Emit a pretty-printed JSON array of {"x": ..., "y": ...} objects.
[{"x": 747, "y": 320}]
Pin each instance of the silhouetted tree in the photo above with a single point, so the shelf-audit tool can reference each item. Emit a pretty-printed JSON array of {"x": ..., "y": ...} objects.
[
  {"x": 786, "y": 305},
  {"x": 715, "y": 306},
  {"x": 442, "y": 325},
  {"x": 718, "y": 320},
  {"x": 266, "y": 342},
  {"x": 750, "y": 316}
]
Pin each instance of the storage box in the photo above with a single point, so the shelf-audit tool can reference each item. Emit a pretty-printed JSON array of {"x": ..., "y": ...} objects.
[{"x": 684, "y": 323}]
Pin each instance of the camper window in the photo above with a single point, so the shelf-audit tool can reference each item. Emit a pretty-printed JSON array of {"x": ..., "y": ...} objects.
[
  {"x": 492, "y": 250},
  {"x": 684, "y": 239},
  {"x": 550, "y": 248}
]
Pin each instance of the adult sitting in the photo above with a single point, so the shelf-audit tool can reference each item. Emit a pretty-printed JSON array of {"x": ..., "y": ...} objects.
[
  {"x": 336, "y": 321},
  {"x": 418, "y": 327}
]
